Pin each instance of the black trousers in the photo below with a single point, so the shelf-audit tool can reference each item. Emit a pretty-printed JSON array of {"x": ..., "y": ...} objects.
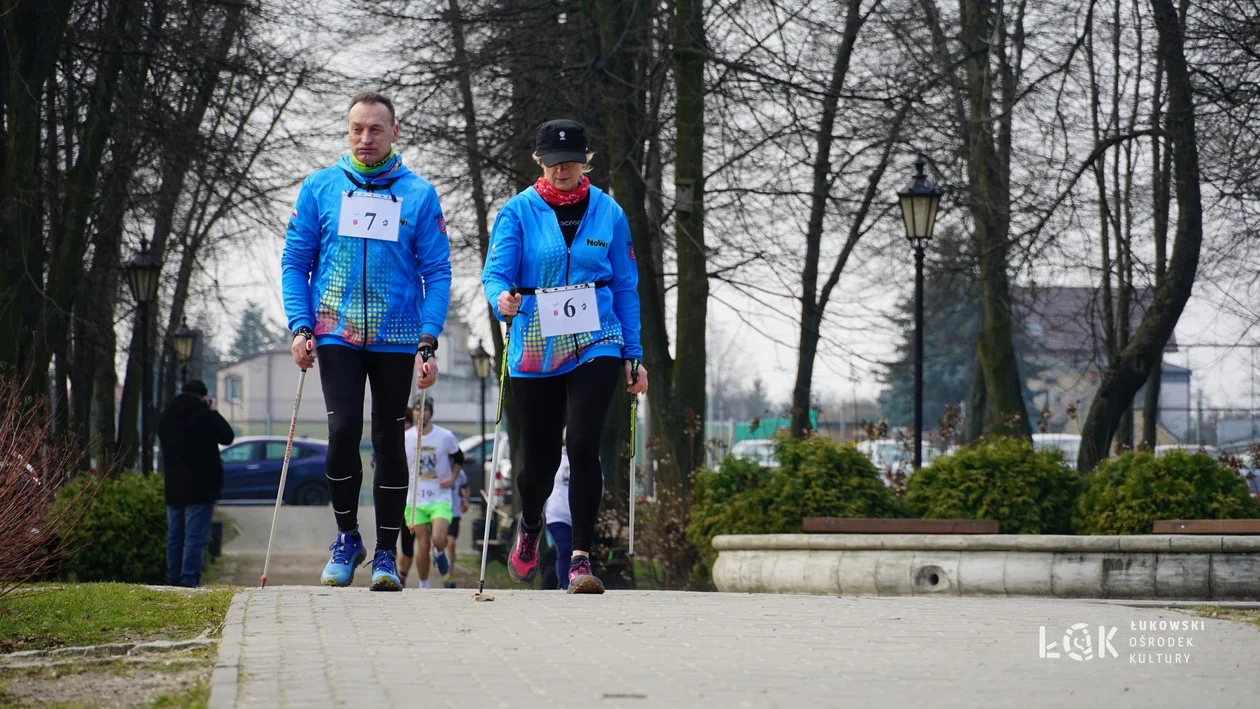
[
  {"x": 343, "y": 372},
  {"x": 544, "y": 405}
]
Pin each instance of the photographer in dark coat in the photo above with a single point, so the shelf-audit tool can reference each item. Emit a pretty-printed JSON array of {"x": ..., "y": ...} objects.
[{"x": 191, "y": 432}]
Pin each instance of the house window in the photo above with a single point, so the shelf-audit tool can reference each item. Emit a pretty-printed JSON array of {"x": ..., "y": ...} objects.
[{"x": 233, "y": 386}]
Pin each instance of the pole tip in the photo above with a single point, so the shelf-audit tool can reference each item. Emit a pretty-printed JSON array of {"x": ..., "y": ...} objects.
[{"x": 264, "y": 582}]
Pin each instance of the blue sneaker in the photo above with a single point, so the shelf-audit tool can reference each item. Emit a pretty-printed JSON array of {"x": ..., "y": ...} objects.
[
  {"x": 441, "y": 562},
  {"x": 347, "y": 553},
  {"x": 384, "y": 573}
]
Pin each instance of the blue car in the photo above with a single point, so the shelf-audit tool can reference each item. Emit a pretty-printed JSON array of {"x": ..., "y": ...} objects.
[{"x": 251, "y": 471}]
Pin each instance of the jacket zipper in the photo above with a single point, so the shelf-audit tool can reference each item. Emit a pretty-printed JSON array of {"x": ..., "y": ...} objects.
[
  {"x": 365, "y": 296},
  {"x": 568, "y": 259}
]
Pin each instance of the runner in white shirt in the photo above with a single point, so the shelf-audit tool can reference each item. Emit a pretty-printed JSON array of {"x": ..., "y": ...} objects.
[
  {"x": 427, "y": 516},
  {"x": 560, "y": 521}
]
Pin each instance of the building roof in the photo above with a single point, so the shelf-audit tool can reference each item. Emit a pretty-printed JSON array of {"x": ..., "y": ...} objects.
[{"x": 1069, "y": 319}]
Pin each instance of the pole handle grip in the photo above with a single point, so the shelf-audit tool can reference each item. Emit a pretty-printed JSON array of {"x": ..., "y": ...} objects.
[{"x": 511, "y": 292}]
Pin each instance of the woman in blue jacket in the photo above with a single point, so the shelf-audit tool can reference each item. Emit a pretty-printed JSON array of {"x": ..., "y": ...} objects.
[{"x": 565, "y": 246}]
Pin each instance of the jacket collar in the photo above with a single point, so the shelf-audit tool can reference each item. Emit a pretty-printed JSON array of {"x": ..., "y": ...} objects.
[{"x": 541, "y": 205}]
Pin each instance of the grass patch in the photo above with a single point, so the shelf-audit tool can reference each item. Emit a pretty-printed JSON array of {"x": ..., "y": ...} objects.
[
  {"x": 96, "y": 613},
  {"x": 195, "y": 697},
  {"x": 1238, "y": 615},
  {"x": 467, "y": 572}
]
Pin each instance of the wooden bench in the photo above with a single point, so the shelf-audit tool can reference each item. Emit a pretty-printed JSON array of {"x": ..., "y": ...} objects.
[
  {"x": 1207, "y": 526},
  {"x": 874, "y": 525}
]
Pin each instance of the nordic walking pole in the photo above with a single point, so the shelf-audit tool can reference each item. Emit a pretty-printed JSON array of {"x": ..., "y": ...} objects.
[
  {"x": 284, "y": 473},
  {"x": 634, "y": 425},
  {"x": 415, "y": 469},
  {"x": 481, "y": 595},
  {"x": 426, "y": 354}
]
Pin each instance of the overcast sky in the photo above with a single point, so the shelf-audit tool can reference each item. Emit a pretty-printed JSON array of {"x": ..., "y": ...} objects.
[{"x": 758, "y": 336}]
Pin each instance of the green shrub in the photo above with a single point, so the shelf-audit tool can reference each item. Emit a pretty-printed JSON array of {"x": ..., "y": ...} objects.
[
  {"x": 816, "y": 477},
  {"x": 734, "y": 499},
  {"x": 1005, "y": 480},
  {"x": 123, "y": 535},
  {"x": 1127, "y": 494}
]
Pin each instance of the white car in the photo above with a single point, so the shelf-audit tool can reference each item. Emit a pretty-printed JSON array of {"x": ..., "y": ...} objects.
[
  {"x": 1189, "y": 449},
  {"x": 891, "y": 456},
  {"x": 478, "y": 451},
  {"x": 757, "y": 450},
  {"x": 1069, "y": 444}
]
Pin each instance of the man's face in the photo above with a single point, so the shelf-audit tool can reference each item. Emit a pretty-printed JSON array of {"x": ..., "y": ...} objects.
[
  {"x": 372, "y": 132},
  {"x": 428, "y": 418}
]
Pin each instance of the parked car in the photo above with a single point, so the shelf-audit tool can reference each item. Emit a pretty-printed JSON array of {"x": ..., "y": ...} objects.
[
  {"x": 1069, "y": 444},
  {"x": 251, "y": 471},
  {"x": 757, "y": 450},
  {"x": 1212, "y": 451},
  {"x": 891, "y": 456},
  {"x": 478, "y": 450}
]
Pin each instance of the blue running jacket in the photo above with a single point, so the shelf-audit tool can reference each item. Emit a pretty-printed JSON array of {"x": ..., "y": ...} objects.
[
  {"x": 527, "y": 250},
  {"x": 367, "y": 293}
]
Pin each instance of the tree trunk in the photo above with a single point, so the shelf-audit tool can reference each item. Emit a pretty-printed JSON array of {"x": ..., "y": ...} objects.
[
  {"x": 31, "y": 34},
  {"x": 685, "y": 439},
  {"x": 811, "y": 310},
  {"x": 988, "y": 179},
  {"x": 1122, "y": 380},
  {"x": 623, "y": 50},
  {"x": 973, "y": 423},
  {"x": 177, "y": 157},
  {"x": 65, "y": 266},
  {"x": 1161, "y": 158}
]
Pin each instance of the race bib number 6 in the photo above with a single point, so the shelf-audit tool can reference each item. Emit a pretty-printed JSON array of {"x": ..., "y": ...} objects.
[
  {"x": 568, "y": 310},
  {"x": 369, "y": 216}
]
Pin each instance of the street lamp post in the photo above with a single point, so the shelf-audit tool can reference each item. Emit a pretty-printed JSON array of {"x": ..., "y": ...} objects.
[
  {"x": 185, "y": 340},
  {"x": 918, "y": 210},
  {"x": 142, "y": 277},
  {"x": 481, "y": 364}
]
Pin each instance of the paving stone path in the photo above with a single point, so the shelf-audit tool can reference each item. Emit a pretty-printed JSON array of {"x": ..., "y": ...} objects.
[{"x": 293, "y": 646}]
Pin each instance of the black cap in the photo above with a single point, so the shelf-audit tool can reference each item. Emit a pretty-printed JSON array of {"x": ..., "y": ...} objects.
[
  {"x": 194, "y": 386},
  {"x": 561, "y": 141}
]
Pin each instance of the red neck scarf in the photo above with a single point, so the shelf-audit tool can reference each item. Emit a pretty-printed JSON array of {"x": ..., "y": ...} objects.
[{"x": 556, "y": 198}]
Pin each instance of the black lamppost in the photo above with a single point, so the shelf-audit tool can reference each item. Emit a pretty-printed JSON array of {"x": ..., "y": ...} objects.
[
  {"x": 142, "y": 276},
  {"x": 481, "y": 364},
  {"x": 185, "y": 340},
  {"x": 918, "y": 209}
]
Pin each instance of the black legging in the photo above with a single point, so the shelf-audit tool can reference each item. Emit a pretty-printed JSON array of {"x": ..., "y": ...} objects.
[
  {"x": 342, "y": 372},
  {"x": 543, "y": 404}
]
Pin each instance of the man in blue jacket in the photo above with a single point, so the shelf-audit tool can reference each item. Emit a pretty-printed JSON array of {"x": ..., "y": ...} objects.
[{"x": 366, "y": 273}]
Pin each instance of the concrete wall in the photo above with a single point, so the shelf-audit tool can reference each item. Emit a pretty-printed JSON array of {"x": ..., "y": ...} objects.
[{"x": 1148, "y": 566}]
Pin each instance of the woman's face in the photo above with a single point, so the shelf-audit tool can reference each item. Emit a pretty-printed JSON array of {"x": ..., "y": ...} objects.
[{"x": 564, "y": 176}]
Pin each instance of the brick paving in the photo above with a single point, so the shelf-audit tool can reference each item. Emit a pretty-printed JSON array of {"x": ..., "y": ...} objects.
[{"x": 311, "y": 646}]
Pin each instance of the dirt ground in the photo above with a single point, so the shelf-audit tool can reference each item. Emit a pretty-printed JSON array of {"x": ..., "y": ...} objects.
[{"x": 177, "y": 681}]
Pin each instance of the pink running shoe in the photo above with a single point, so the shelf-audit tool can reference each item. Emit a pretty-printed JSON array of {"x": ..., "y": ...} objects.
[
  {"x": 523, "y": 559},
  {"x": 581, "y": 580}
]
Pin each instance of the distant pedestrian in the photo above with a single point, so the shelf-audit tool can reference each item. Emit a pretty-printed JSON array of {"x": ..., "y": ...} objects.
[
  {"x": 459, "y": 505},
  {"x": 191, "y": 433}
]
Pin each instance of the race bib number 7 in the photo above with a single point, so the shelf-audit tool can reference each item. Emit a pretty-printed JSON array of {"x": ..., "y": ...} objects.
[
  {"x": 568, "y": 310},
  {"x": 369, "y": 216}
]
